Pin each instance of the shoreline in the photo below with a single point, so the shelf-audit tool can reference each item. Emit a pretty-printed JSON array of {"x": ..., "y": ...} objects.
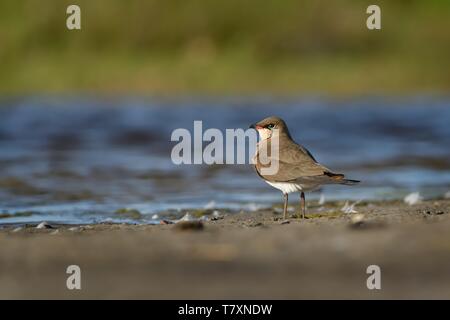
[
  {"x": 244, "y": 255},
  {"x": 330, "y": 209}
]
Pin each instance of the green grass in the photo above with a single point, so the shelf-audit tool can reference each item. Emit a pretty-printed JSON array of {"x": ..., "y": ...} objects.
[{"x": 225, "y": 47}]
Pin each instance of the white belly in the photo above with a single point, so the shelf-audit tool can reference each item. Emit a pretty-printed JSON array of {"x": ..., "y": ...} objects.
[
  {"x": 286, "y": 187},
  {"x": 289, "y": 187}
]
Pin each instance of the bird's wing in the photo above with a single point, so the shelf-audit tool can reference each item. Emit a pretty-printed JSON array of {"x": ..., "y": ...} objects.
[
  {"x": 295, "y": 162},
  {"x": 293, "y": 171}
]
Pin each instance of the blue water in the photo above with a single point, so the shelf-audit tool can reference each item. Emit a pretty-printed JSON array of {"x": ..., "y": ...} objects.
[{"x": 78, "y": 160}]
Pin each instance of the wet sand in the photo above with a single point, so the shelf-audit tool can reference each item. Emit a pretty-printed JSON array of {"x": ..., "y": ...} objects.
[{"x": 244, "y": 255}]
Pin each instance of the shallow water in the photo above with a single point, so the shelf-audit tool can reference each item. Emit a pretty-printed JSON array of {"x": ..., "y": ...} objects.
[{"x": 79, "y": 160}]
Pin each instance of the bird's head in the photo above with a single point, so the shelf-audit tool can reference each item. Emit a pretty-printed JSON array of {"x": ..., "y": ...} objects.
[{"x": 269, "y": 126}]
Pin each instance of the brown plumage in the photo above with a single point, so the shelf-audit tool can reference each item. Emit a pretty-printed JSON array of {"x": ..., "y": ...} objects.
[{"x": 298, "y": 171}]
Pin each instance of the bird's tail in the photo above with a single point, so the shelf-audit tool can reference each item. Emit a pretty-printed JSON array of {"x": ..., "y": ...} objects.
[
  {"x": 349, "y": 182},
  {"x": 340, "y": 179}
]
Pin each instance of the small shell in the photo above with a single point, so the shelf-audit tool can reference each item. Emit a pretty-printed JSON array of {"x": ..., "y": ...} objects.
[{"x": 44, "y": 225}]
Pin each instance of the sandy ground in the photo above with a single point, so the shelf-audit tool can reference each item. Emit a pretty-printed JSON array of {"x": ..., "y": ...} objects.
[{"x": 244, "y": 255}]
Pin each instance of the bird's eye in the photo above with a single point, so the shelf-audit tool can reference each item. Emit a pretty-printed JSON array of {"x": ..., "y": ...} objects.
[{"x": 270, "y": 126}]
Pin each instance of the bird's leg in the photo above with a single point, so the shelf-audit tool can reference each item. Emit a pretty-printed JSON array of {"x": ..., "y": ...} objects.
[
  {"x": 285, "y": 196},
  {"x": 302, "y": 204}
]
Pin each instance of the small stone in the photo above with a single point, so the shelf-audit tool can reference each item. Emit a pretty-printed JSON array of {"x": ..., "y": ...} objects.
[
  {"x": 357, "y": 218},
  {"x": 432, "y": 213},
  {"x": 44, "y": 225},
  {"x": 216, "y": 216},
  {"x": 187, "y": 217},
  {"x": 285, "y": 222},
  {"x": 413, "y": 198}
]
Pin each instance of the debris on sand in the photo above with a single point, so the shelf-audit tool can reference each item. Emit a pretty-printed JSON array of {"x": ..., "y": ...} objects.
[
  {"x": 189, "y": 225},
  {"x": 413, "y": 198},
  {"x": 210, "y": 205},
  {"x": 44, "y": 225},
  {"x": 357, "y": 219},
  {"x": 216, "y": 216},
  {"x": 433, "y": 212},
  {"x": 350, "y": 208},
  {"x": 322, "y": 199},
  {"x": 187, "y": 217}
]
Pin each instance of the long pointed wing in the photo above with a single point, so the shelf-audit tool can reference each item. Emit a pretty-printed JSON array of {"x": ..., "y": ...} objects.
[{"x": 294, "y": 162}]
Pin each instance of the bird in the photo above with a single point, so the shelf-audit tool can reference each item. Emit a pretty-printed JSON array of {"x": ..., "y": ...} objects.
[{"x": 297, "y": 169}]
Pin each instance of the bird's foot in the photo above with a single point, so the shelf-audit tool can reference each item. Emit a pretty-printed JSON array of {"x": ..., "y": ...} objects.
[{"x": 301, "y": 216}]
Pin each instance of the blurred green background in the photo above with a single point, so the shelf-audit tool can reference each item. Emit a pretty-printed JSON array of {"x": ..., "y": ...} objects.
[{"x": 170, "y": 47}]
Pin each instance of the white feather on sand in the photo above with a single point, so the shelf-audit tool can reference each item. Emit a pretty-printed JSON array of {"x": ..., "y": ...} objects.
[
  {"x": 210, "y": 205},
  {"x": 187, "y": 217},
  {"x": 322, "y": 199},
  {"x": 413, "y": 198},
  {"x": 350, "y": 207}
]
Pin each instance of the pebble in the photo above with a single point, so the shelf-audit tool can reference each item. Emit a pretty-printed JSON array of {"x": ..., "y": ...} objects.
[
  {"x": 413, "y": 198},
  {"x": 357, "y": 218},
  {"x": 432, "y": 213},
  {"x": 187, "y": 217},
  {"x": 44, "y": 225},
  {"x": 216, "y": 213}
]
